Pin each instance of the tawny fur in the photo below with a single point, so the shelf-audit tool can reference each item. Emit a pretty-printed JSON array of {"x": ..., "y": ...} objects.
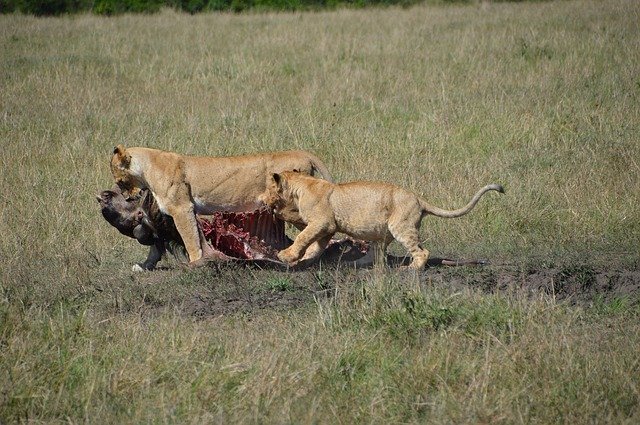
[
  {"x": 187, "y": 185},
  {"x": 372, "y": 211}
]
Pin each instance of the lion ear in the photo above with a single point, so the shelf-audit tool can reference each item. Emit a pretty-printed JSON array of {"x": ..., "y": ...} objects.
[
  {"x": 278, "y": 180},
  {"x": 122, "y": 157}
]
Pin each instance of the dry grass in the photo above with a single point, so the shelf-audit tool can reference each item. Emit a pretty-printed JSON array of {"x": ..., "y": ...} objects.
[
  {"x": 541, "y": 97},
  {"x": 383, "y": 351}
]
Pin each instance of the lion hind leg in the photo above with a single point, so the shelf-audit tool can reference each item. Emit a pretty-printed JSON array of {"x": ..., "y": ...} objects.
[{"x": 408, "y": 236}]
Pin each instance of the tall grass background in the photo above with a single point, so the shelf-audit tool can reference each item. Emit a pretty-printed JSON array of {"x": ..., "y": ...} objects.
[{"x": 540, "y": 97}]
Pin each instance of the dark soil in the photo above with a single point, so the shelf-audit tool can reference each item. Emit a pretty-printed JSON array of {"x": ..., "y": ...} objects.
[
  {"x": 575, "y": 285},
  {"x": 246, "y": 287}
]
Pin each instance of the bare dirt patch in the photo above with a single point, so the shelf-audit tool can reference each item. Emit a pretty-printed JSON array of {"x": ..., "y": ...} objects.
[
  {"x": 576, "y": 284},
  {"x": 224, "y": 289}
]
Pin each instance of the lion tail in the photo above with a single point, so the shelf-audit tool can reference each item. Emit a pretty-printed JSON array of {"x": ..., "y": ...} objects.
[
  {"x": 318, "y": 168},
  {"x": 439, "y": 212}
]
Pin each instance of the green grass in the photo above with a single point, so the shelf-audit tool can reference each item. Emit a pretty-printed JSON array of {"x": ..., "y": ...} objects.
[{"x": 540, "y": 97}]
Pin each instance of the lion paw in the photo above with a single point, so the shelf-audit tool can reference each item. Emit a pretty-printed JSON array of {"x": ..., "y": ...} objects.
[{"x": 286, "y": 256}]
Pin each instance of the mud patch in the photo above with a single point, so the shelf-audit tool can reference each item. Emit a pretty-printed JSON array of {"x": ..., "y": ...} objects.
[
  {"x": 234, "y": 289},
  {"x": 575, "y": 284},
  {"x": 204, "y": 305}
]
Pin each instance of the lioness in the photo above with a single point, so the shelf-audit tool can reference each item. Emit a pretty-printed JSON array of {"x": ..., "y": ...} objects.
[
  {"x": 185, "y": 185},
  {"x": 372, "y": 211}
]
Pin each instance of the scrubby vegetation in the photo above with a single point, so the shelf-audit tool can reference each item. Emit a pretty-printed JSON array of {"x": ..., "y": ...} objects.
[{"x": 115, "y": 7}]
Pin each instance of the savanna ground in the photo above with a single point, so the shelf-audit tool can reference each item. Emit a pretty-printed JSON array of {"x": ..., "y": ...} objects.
[{"x": 541, "y": 97}]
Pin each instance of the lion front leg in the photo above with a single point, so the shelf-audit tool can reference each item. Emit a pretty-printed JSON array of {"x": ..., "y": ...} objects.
[
  {"x": 311, "y": 233},
  {"x": 185, "y": 221},
  {"x": 316, "y": 249}
]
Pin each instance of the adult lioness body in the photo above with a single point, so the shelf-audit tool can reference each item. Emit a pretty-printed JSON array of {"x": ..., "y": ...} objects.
[
  {"x": 371, "y": 211},
  {"x": 187, "y": 185}
]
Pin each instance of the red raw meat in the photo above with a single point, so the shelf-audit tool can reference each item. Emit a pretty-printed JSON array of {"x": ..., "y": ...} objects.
[
  {"x": 258, "y": 235},
  {"x": 229, "y": 233}
]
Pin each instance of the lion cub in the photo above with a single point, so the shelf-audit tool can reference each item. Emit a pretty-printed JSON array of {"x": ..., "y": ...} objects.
[{"x": 372, "y": 211}]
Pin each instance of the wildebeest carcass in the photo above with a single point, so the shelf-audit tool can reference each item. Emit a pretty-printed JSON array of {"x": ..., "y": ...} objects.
[{"x": 252, "y": 236}]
